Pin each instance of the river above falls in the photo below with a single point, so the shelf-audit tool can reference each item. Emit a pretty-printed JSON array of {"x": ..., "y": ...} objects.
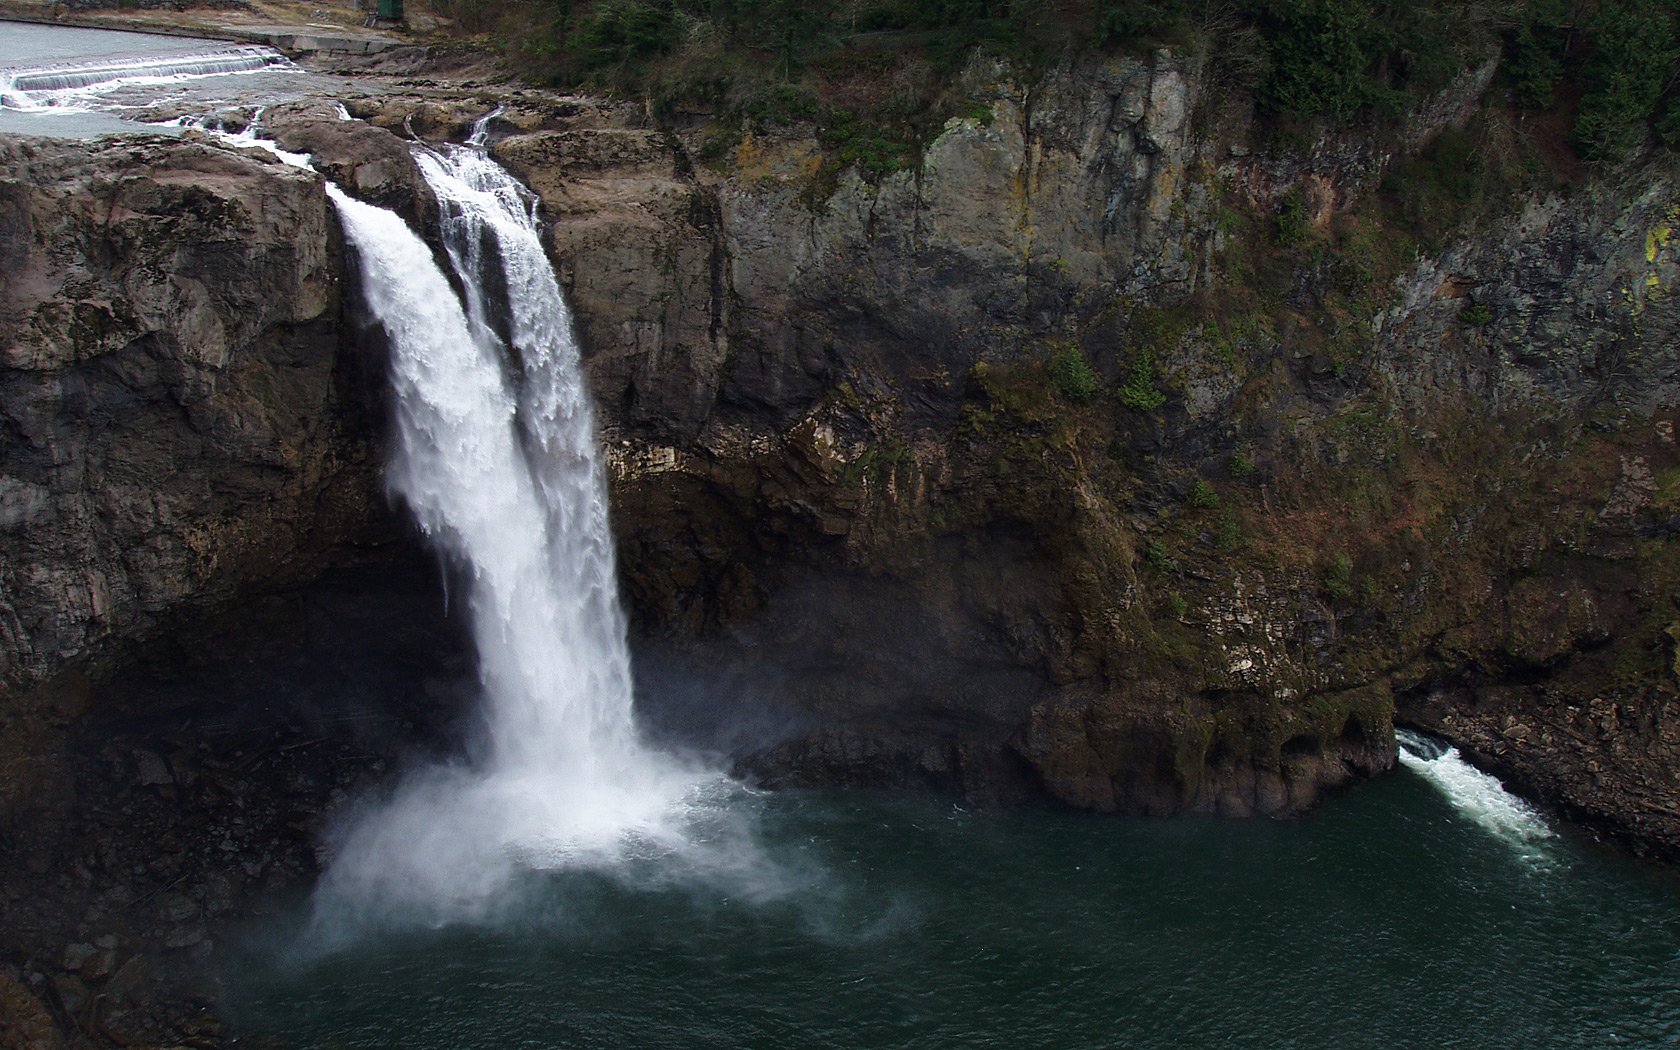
[
  {"x": 123, "y": 83},
  {"x": 1399, "y": 915}
]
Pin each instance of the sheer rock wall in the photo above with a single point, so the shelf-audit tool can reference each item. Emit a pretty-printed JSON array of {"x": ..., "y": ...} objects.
[{"x": 866, "y": 532}]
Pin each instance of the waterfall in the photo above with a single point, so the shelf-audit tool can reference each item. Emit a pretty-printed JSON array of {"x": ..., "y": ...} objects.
[
  {"x": 495, "y": 456},
  {"x": 63, "y": 85}
]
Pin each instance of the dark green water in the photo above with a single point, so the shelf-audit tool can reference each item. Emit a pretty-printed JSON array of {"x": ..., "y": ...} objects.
[{"x": 1388, "y": 919}]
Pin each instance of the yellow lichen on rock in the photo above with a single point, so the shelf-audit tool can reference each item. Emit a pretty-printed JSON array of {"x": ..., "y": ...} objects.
[{"x": 1659, "y": 236}]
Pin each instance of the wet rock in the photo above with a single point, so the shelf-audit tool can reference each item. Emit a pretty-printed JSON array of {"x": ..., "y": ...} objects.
[
  {"x": 181, "y": 404},
  {"x": 76, "y": 956},
  {"x": 25, "y": 1023},
  {"x": 130, "y": 979},
  {"x": 100, "y": 964},
  {"x": 150, "y": 770},
  {"x": 176, "y": 907},
  {"x": 368, "y": 162},
  {"x": 72, "y": 995}
]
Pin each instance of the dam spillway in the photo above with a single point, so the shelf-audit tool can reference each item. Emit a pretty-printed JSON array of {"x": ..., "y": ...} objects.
[
  {"x": 75, "y": 82},
  {"x": 33, "y": 87}
]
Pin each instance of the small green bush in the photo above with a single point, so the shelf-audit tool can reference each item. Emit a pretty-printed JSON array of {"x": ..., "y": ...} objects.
[
  {"x": 780, "y": 105},
  {"x": 875, "y": 151},
  {"x": 1157, "y": 557},
  {"x": 1476, "y": 315},
  {"x": 1340, "y": 58},
  {"x": 1293, "y": 223},
  {"x": 1242, "y": 464},
  {"x": 1338, "y": 578},
  {"x": 1202, "y": 496},
  {"x": 1668, "y": 125},
  {"x": 1071, "y": 374},
  {"x": 1229, "y": 534},
  {"x": 615, "y": 32},
  {"x": 1140, "y": 393},
  {"x": 1322, "y": 52},
  {"x": 1632, "y": 61},
  {"x": 1128, "y": 21},
  {"x": 1534, "y": 52}
]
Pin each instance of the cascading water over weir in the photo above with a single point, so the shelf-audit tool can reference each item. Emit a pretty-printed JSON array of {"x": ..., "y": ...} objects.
[
  {"x": 495, "y": 456},
  {"x": 70, "y": 85}
]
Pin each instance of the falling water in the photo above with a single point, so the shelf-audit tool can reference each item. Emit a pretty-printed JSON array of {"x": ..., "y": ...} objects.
[{"x": 496, "y": 459}]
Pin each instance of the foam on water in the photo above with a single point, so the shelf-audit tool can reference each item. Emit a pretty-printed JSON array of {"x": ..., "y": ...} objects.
[
  {"x": 1472, "y": 792},
  {"x": 251, "y": 136}
]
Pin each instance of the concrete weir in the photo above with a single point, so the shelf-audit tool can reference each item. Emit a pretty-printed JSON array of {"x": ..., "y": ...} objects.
[{"x": 292, "y": 39}]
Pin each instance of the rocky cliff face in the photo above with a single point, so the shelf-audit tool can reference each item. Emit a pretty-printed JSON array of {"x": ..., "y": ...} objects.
[
  {"x": 754, "y": 289},
  {"x": 836, "y": 444},
  {"x": 845, "y": 461},
  {"x": 1093, "y": 459},
  {"x": 1541, "y": 361},
  {"x": 180, "y": 422}
]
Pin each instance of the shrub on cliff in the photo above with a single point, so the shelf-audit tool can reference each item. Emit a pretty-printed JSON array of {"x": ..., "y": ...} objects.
[
  {"x": 1634, "y": 48},
  {"x": 1322, "y": 53},
  {"x": 1126, "y": 21},
  {"x": 1071, "y": 374},
  {"x": 615, "y": 32},
  {"x": 1535, "y": 47},
  {"x": 1140, "y": 394},
  {"x": 1336, "y": 58},
  {"x": 1338, "y": 577}
]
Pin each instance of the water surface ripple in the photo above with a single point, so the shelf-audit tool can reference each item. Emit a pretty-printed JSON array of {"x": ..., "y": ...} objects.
[{"x": 1388, "y": 919}]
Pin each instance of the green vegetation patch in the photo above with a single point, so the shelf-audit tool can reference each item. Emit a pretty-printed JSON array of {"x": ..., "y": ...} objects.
[
  {"x": 878, "y": 76},
  {"x": 1071, "y": 374}
]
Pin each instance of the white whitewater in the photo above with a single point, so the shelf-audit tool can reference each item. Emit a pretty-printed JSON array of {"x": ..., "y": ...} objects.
[
  {"x": 76, "y": 84},
  {"x": 496, "y": 457},
  {"x": 1472, "y": 792}
]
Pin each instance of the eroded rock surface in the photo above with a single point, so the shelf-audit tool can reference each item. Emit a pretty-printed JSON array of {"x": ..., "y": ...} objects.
[
  {"x": 863, "y": 512},
  {"x": 823, "y": 461},
  {"x": 180, "y": 424},
  {"x": 840, "y": 453}
]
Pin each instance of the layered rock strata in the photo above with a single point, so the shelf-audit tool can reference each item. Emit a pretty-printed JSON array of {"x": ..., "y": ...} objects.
[
  {"x": 971, "y": 475},
  {"x": 182, "y": 423}
]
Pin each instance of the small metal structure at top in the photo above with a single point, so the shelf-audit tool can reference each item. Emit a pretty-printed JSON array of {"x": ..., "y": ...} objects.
[{"x": 387, "y": 12}]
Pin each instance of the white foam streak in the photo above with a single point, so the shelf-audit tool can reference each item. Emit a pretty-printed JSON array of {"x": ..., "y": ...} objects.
[
  {"x": 251, "y": 137},
  {"x": 1472, "y": 792}
]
